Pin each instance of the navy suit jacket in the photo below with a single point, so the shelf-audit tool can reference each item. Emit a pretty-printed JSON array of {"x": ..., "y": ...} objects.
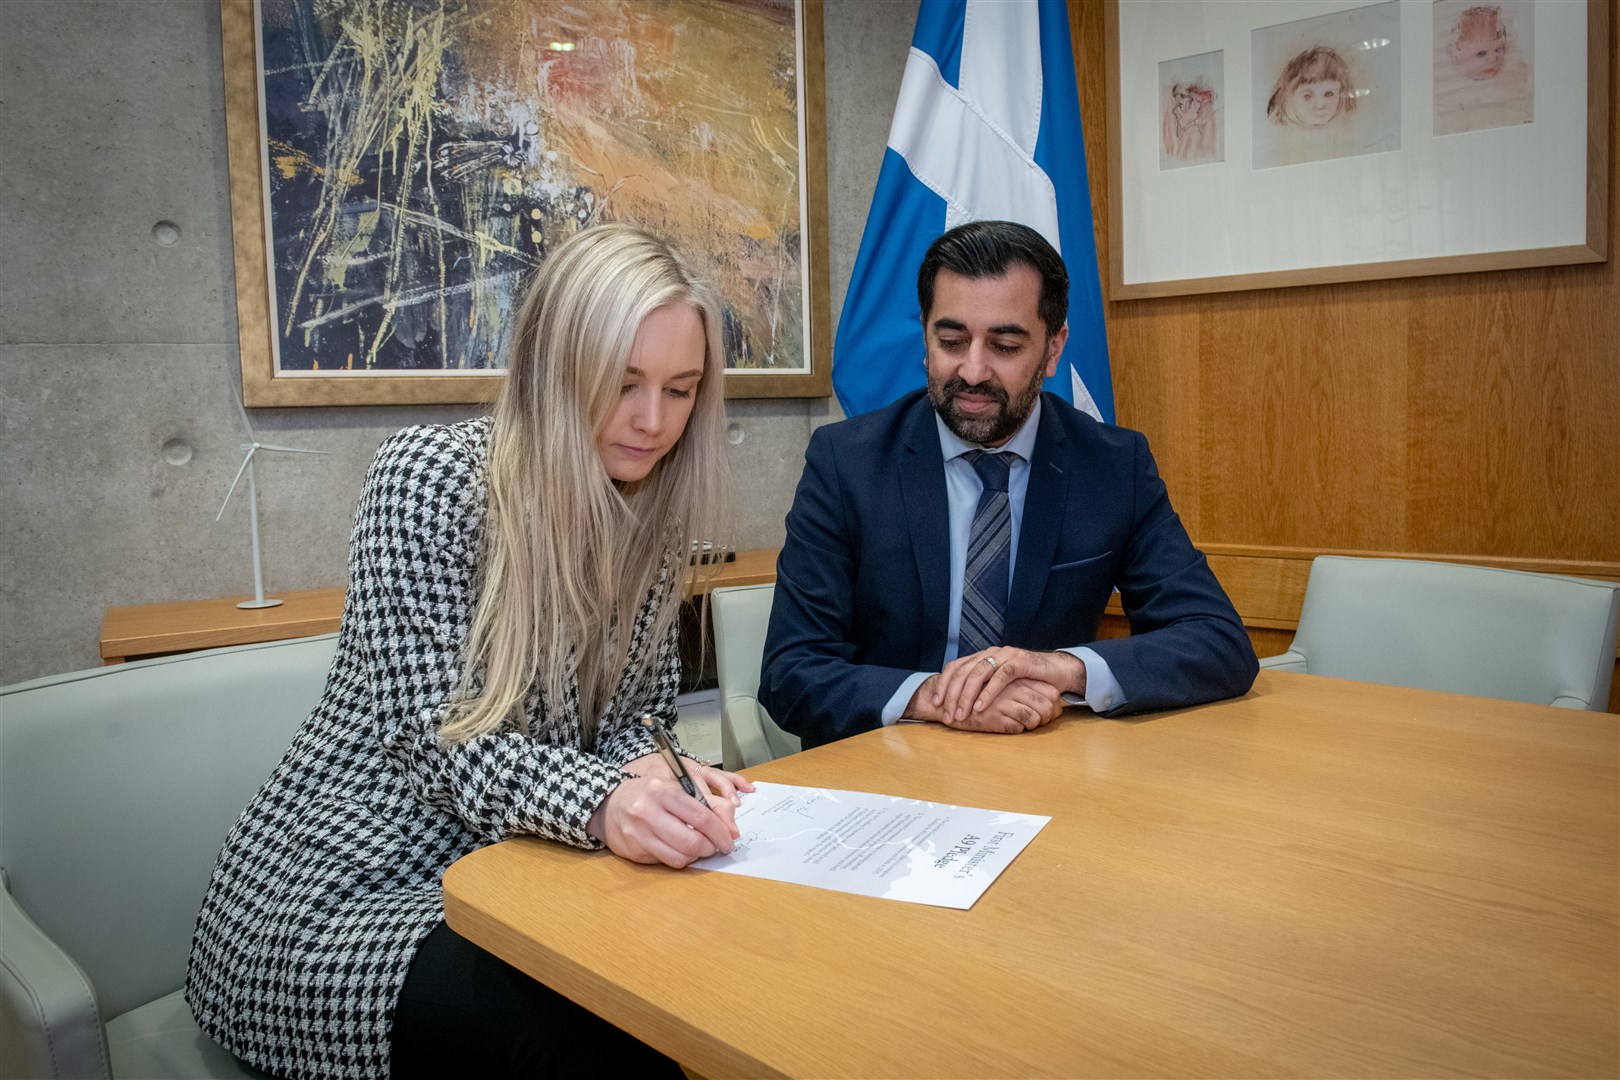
[{"x": 862, "y": 584}]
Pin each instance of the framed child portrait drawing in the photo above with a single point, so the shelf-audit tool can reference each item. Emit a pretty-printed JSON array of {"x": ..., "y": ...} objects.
[
  {"x": 1268, "y": 143},
  {"x": 399, "y": 168}
]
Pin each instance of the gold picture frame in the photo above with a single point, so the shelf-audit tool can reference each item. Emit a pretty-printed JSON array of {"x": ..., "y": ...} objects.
[{"x": 801, "y": 231}]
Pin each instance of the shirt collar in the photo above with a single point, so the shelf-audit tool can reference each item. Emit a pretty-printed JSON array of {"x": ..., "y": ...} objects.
[{"x": 1022, "y": 443}]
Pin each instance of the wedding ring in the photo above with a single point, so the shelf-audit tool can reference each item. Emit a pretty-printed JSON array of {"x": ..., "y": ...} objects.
[{"x": 990, "y": 660}]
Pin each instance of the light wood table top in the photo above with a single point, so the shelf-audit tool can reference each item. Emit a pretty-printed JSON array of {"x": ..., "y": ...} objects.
[
  {"x": 130, "y": 633},
  {"x": 1323, "y": 878}
]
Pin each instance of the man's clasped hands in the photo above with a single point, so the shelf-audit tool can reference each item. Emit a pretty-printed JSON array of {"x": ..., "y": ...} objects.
[{"x": 1000, "y": 689}]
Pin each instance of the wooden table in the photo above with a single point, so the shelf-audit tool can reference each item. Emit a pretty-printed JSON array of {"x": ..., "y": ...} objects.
[
  {"x": 131, "y": 633},
  {"x": 1324, "y": 878}
]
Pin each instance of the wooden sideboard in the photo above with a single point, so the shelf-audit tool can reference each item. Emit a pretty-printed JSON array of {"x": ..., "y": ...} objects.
[
  {"x": 1267, "y": 585},
  {"x": 146, "y": 630}
]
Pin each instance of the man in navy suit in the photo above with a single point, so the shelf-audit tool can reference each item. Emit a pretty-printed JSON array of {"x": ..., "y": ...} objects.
[{"x": 948, "y": 557}]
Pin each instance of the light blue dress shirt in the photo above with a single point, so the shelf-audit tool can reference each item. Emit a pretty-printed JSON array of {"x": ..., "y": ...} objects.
[{"x": 962, "y": 490}]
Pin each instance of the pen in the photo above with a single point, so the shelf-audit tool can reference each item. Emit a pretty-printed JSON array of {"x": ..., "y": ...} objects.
[{"x": 672, "y": 758}]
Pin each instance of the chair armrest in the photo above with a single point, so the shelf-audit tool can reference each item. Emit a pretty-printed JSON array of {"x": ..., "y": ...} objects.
[
  {"x": 1288, "y": 661},
  {"x": 781, "y": 741},
  {"x": 742, "y": 740},
  {"x": 50, "y": 1025}
]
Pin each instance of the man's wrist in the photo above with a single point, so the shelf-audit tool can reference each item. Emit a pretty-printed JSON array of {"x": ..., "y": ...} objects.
[
  {"x": 921, "y": 705},
  {"x": 1075, "y": 678}
]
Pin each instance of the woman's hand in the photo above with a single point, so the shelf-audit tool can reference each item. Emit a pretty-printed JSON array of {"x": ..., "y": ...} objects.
[
  {"x": 711, "y": 781},
  {"x": 651, "y": 819}
]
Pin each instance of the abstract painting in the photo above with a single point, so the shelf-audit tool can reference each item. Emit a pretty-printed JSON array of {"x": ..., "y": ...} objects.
[{"x": 420, "y": 158}]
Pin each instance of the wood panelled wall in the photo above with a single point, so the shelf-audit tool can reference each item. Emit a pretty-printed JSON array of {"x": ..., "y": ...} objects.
[{"x": 1471, "y": 417}]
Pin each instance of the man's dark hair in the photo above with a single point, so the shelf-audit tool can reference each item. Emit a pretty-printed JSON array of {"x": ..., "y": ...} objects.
[{"x": 983, "y": 249}]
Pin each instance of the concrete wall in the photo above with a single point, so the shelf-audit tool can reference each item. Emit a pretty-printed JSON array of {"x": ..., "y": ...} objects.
[{"x": 118, "y": 358}]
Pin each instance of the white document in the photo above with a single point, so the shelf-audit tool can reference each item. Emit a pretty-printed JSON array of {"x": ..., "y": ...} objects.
[{"x": 874, "y": 845}]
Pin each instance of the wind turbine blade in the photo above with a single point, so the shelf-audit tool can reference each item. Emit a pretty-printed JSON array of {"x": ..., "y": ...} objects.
[
  {"x": 290, "y": 449},
  {"x": 239, "y": 471}
]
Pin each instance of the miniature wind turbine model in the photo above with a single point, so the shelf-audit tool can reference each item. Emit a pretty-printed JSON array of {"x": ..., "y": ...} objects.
[{"x": 252, "y": 448}]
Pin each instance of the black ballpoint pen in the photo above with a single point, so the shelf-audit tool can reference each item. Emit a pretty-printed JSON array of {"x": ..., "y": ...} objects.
[{"x": 672, "y": 758}]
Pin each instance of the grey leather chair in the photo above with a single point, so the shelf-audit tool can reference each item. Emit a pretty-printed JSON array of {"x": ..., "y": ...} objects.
[
  {"x": 117, "y": 787},
  {"x": 748, "y": 735},
  {"x": 1465, "y": 629}
]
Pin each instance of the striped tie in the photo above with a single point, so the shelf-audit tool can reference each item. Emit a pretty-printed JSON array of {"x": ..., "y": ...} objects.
[{"x": 984, "y": 583}]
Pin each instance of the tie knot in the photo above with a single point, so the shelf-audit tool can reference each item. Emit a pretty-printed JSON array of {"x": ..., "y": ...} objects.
[{"x": 992, "y": 468}]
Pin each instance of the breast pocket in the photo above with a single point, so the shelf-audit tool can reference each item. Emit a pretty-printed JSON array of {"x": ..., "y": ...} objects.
[
  {"x": 1078, "y": 564},
  {"x": 1082, "y": 585},
  {"x": 1072, "y": 601}
]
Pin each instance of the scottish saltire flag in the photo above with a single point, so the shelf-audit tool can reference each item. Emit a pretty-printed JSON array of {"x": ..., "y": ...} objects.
[{"x": 987, "y": 126}]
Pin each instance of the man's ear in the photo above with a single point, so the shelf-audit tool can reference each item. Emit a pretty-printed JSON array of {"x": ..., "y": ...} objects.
[{"x": 1054, "y": 349}]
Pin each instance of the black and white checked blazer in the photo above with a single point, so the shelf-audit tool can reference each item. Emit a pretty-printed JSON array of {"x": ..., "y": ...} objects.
[{"x": 329, "y": 880}]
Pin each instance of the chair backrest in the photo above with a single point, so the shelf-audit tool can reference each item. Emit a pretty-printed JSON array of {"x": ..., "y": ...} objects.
[
  {"x": 748, "y": 733},
  {"x": 1465, "y": 629},
  {"x": 118, "y": 785}
]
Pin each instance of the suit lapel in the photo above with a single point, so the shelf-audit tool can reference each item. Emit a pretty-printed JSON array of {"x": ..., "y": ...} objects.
[
  {"x": 922, "y": 488},
  {"x": 1045, "y": 509}
]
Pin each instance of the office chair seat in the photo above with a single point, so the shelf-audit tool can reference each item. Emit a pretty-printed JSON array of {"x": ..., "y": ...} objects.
[{"x": 117, "y": 787}]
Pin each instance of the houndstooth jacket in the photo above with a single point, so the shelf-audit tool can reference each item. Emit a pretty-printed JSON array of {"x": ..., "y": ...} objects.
[{"x": 329, "y": 880}]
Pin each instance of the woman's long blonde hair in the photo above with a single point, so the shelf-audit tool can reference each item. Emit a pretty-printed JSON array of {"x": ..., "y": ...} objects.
[{"x": 569, "y": 555}]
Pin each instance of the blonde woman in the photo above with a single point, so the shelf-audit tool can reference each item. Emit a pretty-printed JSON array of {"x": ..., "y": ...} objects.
[{"x": 512, "y": 603}]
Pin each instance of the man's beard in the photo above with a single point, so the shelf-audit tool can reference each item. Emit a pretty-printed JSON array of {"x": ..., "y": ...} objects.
[{"x": 986, "y": 429}]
